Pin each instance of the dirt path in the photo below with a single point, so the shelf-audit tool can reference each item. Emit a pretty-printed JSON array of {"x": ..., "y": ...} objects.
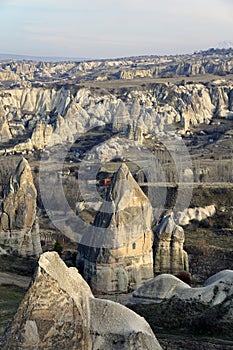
[{"x": 7, "y": 278}]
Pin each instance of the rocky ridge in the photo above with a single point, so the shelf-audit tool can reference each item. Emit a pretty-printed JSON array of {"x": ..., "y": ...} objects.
[
  {"x": 217, "y": 62},
  {"x": 36, "y": 117}
]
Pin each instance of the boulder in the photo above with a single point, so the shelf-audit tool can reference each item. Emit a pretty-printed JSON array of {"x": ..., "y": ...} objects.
[
  {"x": 162, "y": 287},
  {"x": 169, "y": 255},
  {"x": 117, "y": 255},
  {"x": 171, "y": 303},
  {"x": 19, "y": 229},
  {"x": 60, "y": 312}
]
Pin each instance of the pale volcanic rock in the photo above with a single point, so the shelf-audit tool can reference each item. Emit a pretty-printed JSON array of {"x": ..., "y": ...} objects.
[
  {"x": 5, "y": 134},
  {"x": 115, "y": 147},
  {"x": 162, "y": 287},
  {"x": 136, "y": 73},
  {"x": 18, "y": 224},
  {"x": 169, "y": 255},
  {"x": 41, "y": 135},
  {"x": 197, "y": 213},
  {"x": 36, "y": 101},
  {"x": 119, "y": 256},
  {"x": 60, "y": 312},
  {"x": 67, "y": 114},
  {"x": 217, "y": 289},
  {"x": 172, "y": 304},
  {"x": 219, "y": 63},
  {"x": 8, "y": 75}
]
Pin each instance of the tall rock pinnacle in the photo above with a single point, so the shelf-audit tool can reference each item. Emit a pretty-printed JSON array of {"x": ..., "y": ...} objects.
[
  {"x": 120, "y": 257},
  {"x": 169, "y": 255},
  {"x": 18, "y": 224}
]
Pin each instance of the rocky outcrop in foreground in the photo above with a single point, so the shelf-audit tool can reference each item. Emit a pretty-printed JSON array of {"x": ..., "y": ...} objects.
[
  {"x": 169, "y": 255},
  {"x": 19, "y": 230},
  {"x": 167, "y": 302},
  {"x": 60, "y": 312},
  {"x": 119, "y": 256}
]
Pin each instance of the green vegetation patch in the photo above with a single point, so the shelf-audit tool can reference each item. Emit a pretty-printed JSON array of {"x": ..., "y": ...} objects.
[{"x": 10, "y": 298}]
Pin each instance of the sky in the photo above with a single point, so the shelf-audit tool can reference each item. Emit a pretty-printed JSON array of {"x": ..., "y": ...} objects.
[{"x": 113, "y": 28}]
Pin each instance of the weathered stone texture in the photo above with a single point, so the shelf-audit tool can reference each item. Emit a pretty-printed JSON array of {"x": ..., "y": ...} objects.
[
  {"x": 60, "y": 312},
  {"x": 19, "y": 230},
  {"x": 169, "y": 255},
  {"x": 169, "y": 303},
  {"x": 120, "y": 257}
]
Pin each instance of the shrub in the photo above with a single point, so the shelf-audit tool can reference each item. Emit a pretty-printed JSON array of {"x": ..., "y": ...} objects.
[
  {"x": 58, "y": 247},
  {"x": 184, "y": 276}
]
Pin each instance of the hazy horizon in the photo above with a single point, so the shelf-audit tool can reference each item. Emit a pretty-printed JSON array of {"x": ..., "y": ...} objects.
[{"x": 78, "y": 29}]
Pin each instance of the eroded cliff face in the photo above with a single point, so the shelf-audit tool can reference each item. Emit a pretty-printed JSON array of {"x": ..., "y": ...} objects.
[
  {"x": 48, "y": 116},
  {"x": 19, "y": 230},
  {"x": 169, "y": 255},
  {"x": 60, "y": 312},
  {"x": 119, "y": 256}
]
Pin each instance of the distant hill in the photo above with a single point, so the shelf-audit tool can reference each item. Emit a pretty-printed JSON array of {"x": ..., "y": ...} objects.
[
  {"x": 225, "y": 45},
  {"x": 216, "y": 51},
  {"x": 4, "y": 57}
]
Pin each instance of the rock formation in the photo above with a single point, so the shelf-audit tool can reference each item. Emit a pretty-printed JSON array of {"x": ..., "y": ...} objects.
[
  {"x": 219, "y": 62},
  {"x": 60, "y": 312},
  {"x": 19, "y": 232},
  {"x": 171, "y": 303},
  {"x": 169, "y": 255},
  {"x": 117, "y": 255},
  {"x": 197, "y": 213},
  {"x": 114, "y": 148},
  {"x": 41, "y": 135},
  {"x": 56, "y": 116},
  {"x": 29, "y": 100},
  {"x": 5, "y": 134}
]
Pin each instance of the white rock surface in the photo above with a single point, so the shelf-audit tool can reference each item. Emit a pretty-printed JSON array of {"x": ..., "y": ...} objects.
[
  {"x": 197, "y": 213},
  {"x": 19, "y": 228},
  {"x": 217, "y": 289},
  {"x": 117, "y": 254},
  {"x": 60, "y": 312},
  {"x": 57, "y": 116},
  {"x": 169, "y": 255}
]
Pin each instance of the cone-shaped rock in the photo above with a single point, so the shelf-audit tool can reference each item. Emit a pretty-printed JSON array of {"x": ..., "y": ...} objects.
[
  {"x": 117, "y": 255},
  {"x": 19, "y": 231},
  {"x": 60, "y": 312}
]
